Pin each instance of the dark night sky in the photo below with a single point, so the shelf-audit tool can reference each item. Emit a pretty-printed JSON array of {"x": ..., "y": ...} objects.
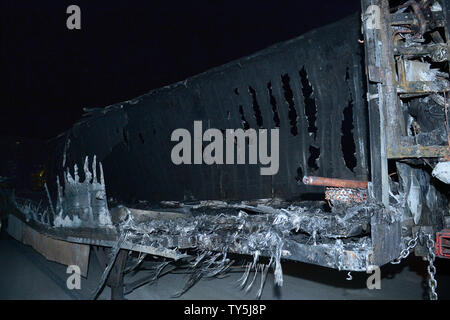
[{"x": 126, "y": 48}]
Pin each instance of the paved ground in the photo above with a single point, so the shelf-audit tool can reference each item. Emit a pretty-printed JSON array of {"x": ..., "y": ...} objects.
[{"x": 25, "y": 274}]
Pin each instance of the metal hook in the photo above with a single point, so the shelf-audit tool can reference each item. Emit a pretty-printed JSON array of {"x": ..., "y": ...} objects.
[{"x": 349, "y": 276}]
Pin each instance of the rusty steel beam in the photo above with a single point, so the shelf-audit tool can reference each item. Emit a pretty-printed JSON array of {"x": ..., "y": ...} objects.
[
  {"x": 333, "y": 182},
  {"x": 418, "y": 151}
]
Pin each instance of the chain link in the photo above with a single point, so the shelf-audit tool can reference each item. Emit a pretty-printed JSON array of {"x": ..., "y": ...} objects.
[
  {"x": 432, "y": 283},
  {"x": 412, "y": 243}
]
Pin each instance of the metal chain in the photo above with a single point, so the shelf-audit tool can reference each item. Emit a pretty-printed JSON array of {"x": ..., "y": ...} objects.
[
  {"x": 432, "y": 283},
  {"x": 412, "y": 243}
]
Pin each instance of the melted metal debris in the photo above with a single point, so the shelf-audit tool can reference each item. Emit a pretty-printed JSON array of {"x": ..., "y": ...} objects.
[
  {"x": 215, "y": 229},
  {"x": 270, "y": 235},
  {"x": 83, "y": 204}
]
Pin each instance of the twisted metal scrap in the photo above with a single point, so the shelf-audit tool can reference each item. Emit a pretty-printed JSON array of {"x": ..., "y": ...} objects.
[{"x": 253, "y": 234}]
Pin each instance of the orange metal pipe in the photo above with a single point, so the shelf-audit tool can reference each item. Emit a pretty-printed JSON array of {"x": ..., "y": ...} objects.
[{"x": 332, "y": 182}]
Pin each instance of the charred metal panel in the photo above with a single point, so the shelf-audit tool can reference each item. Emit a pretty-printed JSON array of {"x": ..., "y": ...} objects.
[
  {"x": 310, "y": 87},
  {"x": 386, "y": 238}
]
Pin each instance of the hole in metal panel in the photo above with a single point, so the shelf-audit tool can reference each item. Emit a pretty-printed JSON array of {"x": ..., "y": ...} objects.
[
  {"x": 273, "y": 102},
  {"x": 314, "y": 154},
  {"x": 289, "y": 97},
  {"x": 256, "y": 110},
  {"x": 245, "y": 124},
  {"x": 310, "y": 102},
  {"x": 347, "y": 138},
  {"x": 299, "y": 176}
]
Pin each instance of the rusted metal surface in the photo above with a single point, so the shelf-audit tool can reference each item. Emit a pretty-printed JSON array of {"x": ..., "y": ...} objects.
[
  {"x": 419, "y": 151},
  {"x": 420, "y": 81},
  {"x": 346, "y": 195},
  {"x": 418, "y": 9},
  {"x": 333, "y": 182}
]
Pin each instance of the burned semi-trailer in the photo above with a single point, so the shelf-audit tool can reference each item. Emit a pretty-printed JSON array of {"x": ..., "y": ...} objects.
[{"x": 331, "y": 148}]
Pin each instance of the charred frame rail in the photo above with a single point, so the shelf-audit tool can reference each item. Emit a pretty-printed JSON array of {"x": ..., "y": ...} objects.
[
  {"x": 385, "y": 123},
  {"x": 388, "y": 81},
  {"x": 381, "y": 95},
  {"x": 394, "y": 45}
]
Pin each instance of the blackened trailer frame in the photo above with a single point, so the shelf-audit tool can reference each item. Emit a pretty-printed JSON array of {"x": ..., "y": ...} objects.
[{"x": 313, "y": 89}]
